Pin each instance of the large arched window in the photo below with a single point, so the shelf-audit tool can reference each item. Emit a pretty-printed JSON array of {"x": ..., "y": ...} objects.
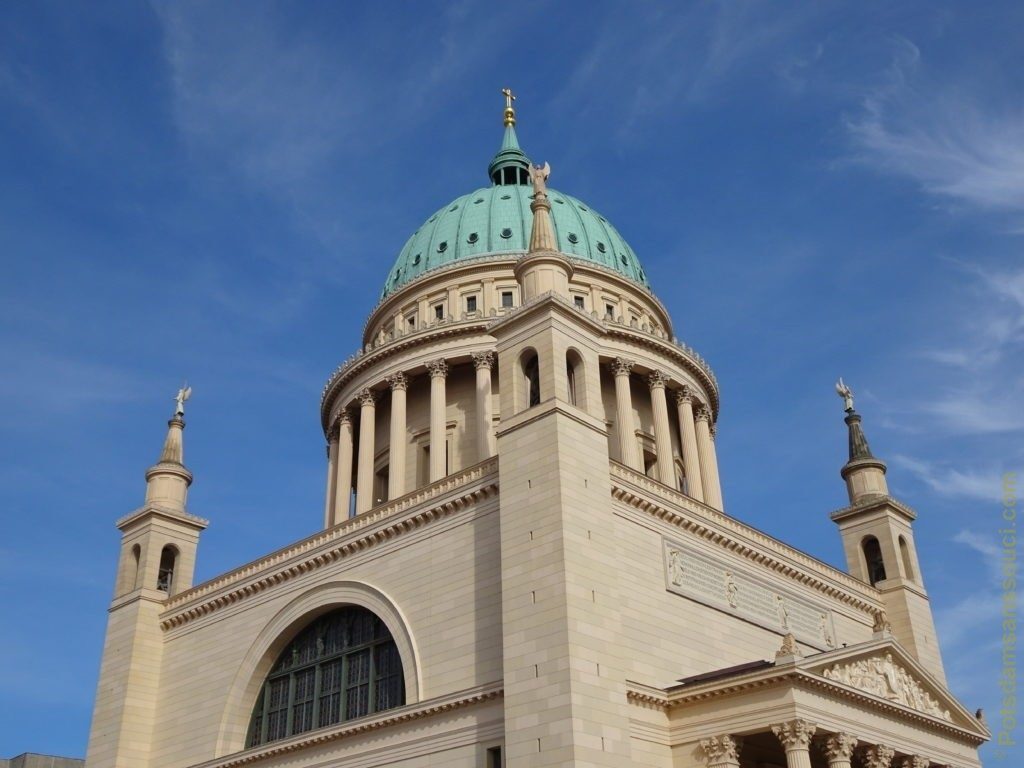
[{"x": 342, "y": 666}]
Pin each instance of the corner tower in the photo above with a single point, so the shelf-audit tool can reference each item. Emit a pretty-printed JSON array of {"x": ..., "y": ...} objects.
[
  {"x": 878, "y": 540},
  {"x": 157, "y": 560}
]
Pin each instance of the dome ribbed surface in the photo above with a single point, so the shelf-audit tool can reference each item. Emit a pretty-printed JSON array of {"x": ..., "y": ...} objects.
[{"x": 497, "y": 220}]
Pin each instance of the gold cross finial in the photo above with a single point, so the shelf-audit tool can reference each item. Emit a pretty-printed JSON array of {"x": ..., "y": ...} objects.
[{"x": 510, "y": 113}]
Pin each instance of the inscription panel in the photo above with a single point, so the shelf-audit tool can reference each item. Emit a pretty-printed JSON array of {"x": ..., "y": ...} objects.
[{"x": 696, "y": 575}]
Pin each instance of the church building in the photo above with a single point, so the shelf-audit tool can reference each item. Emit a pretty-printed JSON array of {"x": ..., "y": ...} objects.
[{"x": 526, "y": 558}]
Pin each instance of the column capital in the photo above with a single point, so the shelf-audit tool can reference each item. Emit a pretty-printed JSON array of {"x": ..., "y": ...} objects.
[
  {"x": 718, "y": 749},
  {"x": 877, "y": 756},
  {"x": 794, "y": 734},
  {"x": 398, "y": 381},
  {"x": 438, "y": 368},
  {"x": 367, "y": 397},
  {"x": 483, "y": 360},
  {"x": 915, "y": 761},
  {"x": 621, "y": 366},
  {"x": 701, "y": 413},
  {"x": 657, "y": 379},
  {"x": 684, "y": 395},
  {"x": 712, "y": 430},
  {"x": 344, "y": 417},
  {"x": 838, "y": 746}
]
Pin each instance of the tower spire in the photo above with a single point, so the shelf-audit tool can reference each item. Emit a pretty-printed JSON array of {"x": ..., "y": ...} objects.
[
  {"x": 864, "y": 474},
  {"x": 168, "y": 480}
]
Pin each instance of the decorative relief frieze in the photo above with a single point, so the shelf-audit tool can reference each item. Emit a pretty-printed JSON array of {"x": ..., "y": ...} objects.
[
  {"x": 881, "y": 676},
  {"x": 696, "y": 575}
]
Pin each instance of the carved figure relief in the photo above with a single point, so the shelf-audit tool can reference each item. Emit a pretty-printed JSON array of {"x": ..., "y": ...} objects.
[
  {"x": 731, "y": 590},
  {"x": 675, "y": 567},
  {"x": 780, "y": 606},
  {"x": 881, "y": 676},
  {"x": 826, "y": 635}
]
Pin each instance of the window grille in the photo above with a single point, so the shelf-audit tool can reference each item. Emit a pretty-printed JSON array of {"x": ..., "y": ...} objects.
[{"x": 342, "y": 666}]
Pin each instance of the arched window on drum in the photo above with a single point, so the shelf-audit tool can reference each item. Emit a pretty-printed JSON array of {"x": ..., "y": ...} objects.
[{"x": 344, "y": 665}]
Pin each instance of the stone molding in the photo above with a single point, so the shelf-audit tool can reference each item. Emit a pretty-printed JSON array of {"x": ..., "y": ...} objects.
[
  {"x": 877, "y": 756},
  {"x": 398, "y": 381},
  {"x": 838, "y": 746},
  {"x": 397, "y": 517},
  {"x": 388, "y": 718},
  {"x": 881, "y": 676},
  {"x": 176, "y": 515},
  {"x": 714, "y": 525},
  {"x": 483, "y": 360},
  {"x": 795, "y": 734},
  {"x": 721, "y": 749}
]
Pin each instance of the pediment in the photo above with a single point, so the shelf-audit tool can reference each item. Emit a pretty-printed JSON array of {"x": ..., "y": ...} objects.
[{"x": 884, "y": 670}]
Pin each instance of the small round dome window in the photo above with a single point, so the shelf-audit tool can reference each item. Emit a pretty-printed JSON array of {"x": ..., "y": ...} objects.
[
  {"x": 560, "y": 201},
  {"x": 473, "y": 237},
  {"x": 416, "y": 259},
  {"x": 454, "y": 207},
  {"x": 442, "y": 246},
  {"x": 432, "y": 218},
  {"x": 583, "y": 207},
  {"x": 573, "y": 238},
  {"x": 600, "y": 247},
  {"x": 478, "y": 201},
  {"x": 623, "y": 259},
  {"x": 506, "y": 197},
  {"x": 506, "y": 233}
]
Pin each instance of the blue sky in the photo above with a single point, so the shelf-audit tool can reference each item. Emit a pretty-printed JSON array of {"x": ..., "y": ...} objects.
[{"x": 216, "y": 191}]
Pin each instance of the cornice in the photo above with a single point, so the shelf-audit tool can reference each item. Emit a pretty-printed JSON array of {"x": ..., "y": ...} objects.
[
  {"x": 393, "y": 519},
  {"x": 177, "y": 515},
  {"x": 386, "y": 719},
  {"x": 672, "y": 507},
  {"x": 872, "y": 504},
  {"x": 677, "y": 698}
]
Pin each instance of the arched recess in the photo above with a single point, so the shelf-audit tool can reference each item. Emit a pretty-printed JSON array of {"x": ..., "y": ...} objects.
[
  {"x": 165, "y": 578},
  {"x": 576, "y": 379},
  {"x": 529, "y": 366},
  {"x": 874, "y": 563},
  {"x": 908, "y": 560},
  {"x": 285, "y": 625}
]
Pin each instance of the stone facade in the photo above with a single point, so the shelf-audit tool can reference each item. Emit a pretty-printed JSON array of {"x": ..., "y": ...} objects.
[{"x": 524, "y": 490}]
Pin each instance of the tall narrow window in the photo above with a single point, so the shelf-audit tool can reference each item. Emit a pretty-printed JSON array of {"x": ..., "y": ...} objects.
[
  {"x": 439, "y": 311},
  {"x": 506, "y": 299},
  {"x": 133, "y": 579},
  {"x": 873, "y": 560},
  {"x": 165, "y": 576},
  {"x": 342, "y": 666},
  {"x": 471, "y": 303}
]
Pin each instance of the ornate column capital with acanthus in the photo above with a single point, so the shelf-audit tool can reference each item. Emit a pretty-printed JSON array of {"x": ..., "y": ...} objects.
[
  {"x": 398, "y": 381},
  {"x": 877, "y": 756},
  {"x": 721, "y": 751},
  {"x": 483, "y": 360},
  {"x": 437, "y": 368}
]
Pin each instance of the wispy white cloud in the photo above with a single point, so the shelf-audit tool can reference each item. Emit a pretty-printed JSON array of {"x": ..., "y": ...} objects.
[
  {"x": 941, "y": 137},
  {"x": 984, "y": 484}
]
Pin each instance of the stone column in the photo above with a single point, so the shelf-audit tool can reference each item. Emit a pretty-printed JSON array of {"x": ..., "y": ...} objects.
[
  {"x": 688, "y": 442},
  {"x": 343, "y": 485},
  {"x": 397, "y": 439},
  {"x": 705, "y": 456},
  {"x": 364, "y": 472},
  {"x": 838, "y": 749},
  {"x": 628, "y": 449},
  {"x": 332, "y": 477},
  {"x": 483, "y": 361},
  {"x": 722, "y": 751},
  {"x": 713, "y": 434},
  {"x": 796, "y": 740},
  {"x": 438, "y": 423},
  {"x": 877, "y": 756},
  {"x": 662, "y": 431}
]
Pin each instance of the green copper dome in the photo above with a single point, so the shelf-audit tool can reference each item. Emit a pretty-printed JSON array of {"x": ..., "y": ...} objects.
[{"x": 498, "y": 220}]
